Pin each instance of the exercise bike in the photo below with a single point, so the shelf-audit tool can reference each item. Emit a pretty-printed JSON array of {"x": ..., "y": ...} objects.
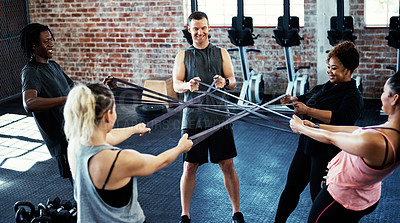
[
  {"x": 241, "y": 35},
  {"x": 286, "y": 35}
]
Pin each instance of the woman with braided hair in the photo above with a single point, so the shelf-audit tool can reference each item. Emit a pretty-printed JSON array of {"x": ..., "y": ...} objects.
[
  {"x": 368, "y": 155},
  {"x": 105, "y": 185}
]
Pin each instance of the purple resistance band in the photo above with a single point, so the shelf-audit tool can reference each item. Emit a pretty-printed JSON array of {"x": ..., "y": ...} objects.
[
  {"x": 175, "y": 110},
  {"x": 197, "y": 138}
]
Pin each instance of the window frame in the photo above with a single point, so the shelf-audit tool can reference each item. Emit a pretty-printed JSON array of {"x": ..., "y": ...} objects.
[
  {"x": 388, "y": 15},
  {"x": 203, "y": 3}
]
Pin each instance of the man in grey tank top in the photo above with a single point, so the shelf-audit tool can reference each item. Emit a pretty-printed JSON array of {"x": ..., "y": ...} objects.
[{"x": 205, "y": 62}]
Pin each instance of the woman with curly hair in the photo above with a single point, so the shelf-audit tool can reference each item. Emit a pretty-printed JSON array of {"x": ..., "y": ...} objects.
[{"x": 337, "y": 102}]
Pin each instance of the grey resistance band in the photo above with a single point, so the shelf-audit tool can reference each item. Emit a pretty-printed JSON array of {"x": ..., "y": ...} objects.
[
  {"x": 213, "y": 109},
  {"x": 159, "y": 119},
  {"x": 179, "y": 108},
  {"x": 197, "y": 138},
  {"x": 244, "y": 100}
]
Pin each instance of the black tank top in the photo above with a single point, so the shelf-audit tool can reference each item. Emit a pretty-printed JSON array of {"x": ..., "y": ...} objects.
[
  {"x": 203, "y": 63},
  {"x": 119, "y": 197}
]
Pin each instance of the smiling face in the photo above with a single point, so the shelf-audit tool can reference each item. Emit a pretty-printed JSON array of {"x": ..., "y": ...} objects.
[
  {"x": 199, "y": 31},
  {"x": 337, "y": 72},
  {"x": 43, "y": 50}
]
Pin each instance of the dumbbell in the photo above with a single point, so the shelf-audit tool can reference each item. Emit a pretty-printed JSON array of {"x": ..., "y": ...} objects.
[
  {"x": 64, "y": 214},
  {"x": 52, "y": 207},
  {"x": 42, "y": 218},
  {"x": 21, "y": 214}
]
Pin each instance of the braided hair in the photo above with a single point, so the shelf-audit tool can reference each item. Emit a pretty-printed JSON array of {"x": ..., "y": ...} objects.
[{"x": 30, "y": 35}]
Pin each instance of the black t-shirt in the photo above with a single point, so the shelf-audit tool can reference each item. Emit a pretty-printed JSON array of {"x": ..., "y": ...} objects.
[
  {"x": 346, "y": 103},
  {"x": 50, "y": 81}
]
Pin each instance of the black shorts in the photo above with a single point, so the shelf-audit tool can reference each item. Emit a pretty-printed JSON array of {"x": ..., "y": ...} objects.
[{"x": 220, "y": 144}]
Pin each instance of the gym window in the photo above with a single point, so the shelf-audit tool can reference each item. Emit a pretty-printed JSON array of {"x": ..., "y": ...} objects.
[
  {"x": 265, "y": 13},
  {"x": 378, "y": 12}
]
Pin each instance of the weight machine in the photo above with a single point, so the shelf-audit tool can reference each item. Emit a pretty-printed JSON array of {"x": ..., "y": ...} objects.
[
  {"x": 241, "y": 35},
  {"x": 341, "y": 26},
  {"x": 394, "y": 38},
  {"x": 341, "y": 29},
  {"x": 185, "y": 31},
  {"x": 394, "y": 41},
  {"x": 287, "y": 35}
]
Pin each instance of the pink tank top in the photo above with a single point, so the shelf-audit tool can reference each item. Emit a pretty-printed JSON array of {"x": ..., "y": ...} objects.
[{"x": 353, "y": 183}]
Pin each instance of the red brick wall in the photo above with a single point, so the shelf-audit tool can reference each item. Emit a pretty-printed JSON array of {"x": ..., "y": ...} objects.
[
  {"x": 133, "y": 40},
  {"x": 138, "y": 39}
]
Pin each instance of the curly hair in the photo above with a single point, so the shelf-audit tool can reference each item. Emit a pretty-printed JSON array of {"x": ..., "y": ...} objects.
[
  {"x": 347, "y": 53},
  {"x": 30, "y": 35}
]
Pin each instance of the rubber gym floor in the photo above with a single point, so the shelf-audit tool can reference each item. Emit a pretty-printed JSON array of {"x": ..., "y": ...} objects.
[{"x": 27, "y": 172}]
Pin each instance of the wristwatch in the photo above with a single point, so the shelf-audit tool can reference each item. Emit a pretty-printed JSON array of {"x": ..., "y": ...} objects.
[
  {"x": 226, "y": 82},
  {"x": 316, "y": 126}
]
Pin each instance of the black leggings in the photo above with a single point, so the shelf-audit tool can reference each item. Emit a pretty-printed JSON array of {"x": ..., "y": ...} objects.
[
  {"x": 304, "y": 169},
  {"x": 325, "y": 209}
]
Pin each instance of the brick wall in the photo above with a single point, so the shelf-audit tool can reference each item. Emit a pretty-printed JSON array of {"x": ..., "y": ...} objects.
[
  {"x": 133, "y": 40},
  {"x": 375, "y": 53},
  {"x": 138, "y": 39}
]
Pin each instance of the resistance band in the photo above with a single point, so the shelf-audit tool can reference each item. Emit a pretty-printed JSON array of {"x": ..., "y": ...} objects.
[
  {"x": 159, "y": 119},
  {"x": 191, "y": 103},
  {"x": 213, "y": 109},
  {"x": 179, "y": 108},
  {"x": 197, "y": 138},
  {"x": 244, "y": 100}
]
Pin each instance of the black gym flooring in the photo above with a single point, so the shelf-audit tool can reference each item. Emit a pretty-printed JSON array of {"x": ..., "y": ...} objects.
[{"x": 27, "y": 172}]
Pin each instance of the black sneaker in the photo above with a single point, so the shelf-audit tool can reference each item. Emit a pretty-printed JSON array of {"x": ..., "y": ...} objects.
[
  {"x": 185, "y": 219},
  {"x": 238, "y": 218}
]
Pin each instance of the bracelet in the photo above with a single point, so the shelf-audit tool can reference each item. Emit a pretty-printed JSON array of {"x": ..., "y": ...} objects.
[
  {"x": 316, "y": 126},
  {"x": 226, "y": 82}
]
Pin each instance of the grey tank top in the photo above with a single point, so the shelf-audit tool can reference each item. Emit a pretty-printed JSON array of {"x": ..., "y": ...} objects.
[
  {"x": 205, "y": 63},
  {"x": 91, "y": 208}
]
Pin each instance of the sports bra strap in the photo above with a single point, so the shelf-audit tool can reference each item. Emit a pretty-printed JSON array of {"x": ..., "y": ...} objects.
[
  {"x": 386, "y": 152},
  {"x": 398, "y": 131},
  {"x": 111, "y": 169},
  {"x": 386, "y": 138}
]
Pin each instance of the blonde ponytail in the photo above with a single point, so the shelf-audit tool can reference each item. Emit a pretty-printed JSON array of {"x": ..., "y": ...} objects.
[
  {"x": 83, "y": 111},
  {"x": 79, "y": 115}
]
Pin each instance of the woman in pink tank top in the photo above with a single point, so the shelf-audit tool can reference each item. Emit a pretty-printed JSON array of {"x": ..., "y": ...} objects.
[{"x": 369, "y": 155}]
